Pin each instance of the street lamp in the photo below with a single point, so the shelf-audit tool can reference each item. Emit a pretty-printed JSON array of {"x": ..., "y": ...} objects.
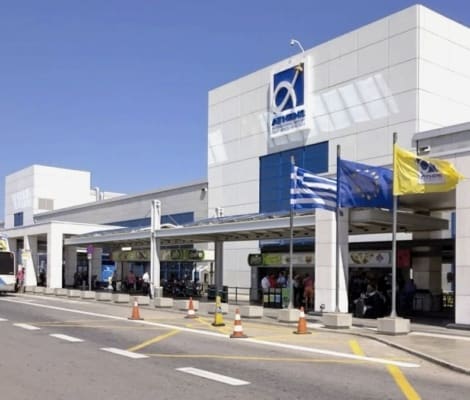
[{"x": 294, "y": 42}]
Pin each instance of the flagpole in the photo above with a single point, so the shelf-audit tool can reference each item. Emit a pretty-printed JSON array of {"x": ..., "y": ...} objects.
[
  {"x": 338, "y": 156},
  {"x": 393, "y": 312},
  {"x": 291, "y": 242}
]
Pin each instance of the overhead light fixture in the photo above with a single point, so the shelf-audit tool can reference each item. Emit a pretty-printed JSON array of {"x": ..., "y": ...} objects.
[
  {"x": 126, "y": 248},
  {"x": 294, "y": 42},
  {"x": 424, "y": 149}
]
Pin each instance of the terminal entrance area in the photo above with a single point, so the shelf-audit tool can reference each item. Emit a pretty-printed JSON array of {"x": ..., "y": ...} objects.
[{"x": 273, "y": 290}]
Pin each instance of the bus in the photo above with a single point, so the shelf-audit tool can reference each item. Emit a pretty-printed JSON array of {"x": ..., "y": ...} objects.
[{"x": 7, "y": 267}]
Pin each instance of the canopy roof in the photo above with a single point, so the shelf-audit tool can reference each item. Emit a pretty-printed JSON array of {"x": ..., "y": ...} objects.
[{"x": 260, "y": 227}]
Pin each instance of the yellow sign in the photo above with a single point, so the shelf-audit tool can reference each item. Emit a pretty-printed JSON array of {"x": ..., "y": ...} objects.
[
  {"x": 165, "y": 255},
  {"x": 4, "y": 244}
]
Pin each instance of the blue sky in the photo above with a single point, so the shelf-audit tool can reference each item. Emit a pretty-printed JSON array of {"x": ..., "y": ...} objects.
[{"x": 120, "y": 87}]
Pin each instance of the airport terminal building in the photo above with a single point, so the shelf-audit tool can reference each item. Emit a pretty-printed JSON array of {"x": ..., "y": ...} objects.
[{"x": 407, "y": 73}]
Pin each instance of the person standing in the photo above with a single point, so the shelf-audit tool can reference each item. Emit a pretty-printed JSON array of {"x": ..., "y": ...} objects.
[
  {"x": 308, "y": 291},
  {"x": 265, "y": 286},
  {"x": 131, "y": 281},
  {"x": 20, "y": 278},
  {"x": 146, "y": 284},
  {"x": 114, "y": 280}
]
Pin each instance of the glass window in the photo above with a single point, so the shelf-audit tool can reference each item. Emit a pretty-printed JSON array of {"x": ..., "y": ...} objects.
[
  {"x": 275, "y": 172},
  {"x": 18, "y": 219}
]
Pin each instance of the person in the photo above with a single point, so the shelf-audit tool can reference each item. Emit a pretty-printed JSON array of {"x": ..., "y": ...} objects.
[
  {"x": 20, "y": 278},
  {"x": 272, "y": 280},
  {"x": 265, "y": 283},
  {"x": 374, "y": 302},
  {"x": 146, "y": 284},
  {"x": 131, "y": 281},
  {"x": 281, "y": 280},
  {"x": 308, "y": 291},
  {"x": 114, "y": 280},
  {"x": 42, "y": 277},
  {"x": 297, "y": 287},
  {"x": 265, "y": 286},
  {"x": 409, "y": 291}
]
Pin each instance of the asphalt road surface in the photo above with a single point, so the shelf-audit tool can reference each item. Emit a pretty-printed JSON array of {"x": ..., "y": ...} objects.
[{"x": 53, "y": 348}]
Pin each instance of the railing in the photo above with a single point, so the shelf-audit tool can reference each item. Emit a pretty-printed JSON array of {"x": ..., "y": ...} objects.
[{"x": 234, "y": 294}]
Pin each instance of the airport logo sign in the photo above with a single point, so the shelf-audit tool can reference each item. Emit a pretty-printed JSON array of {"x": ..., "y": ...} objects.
[
  {"x": 288, "y": 106},
  {"x": 428, "y": 173}
]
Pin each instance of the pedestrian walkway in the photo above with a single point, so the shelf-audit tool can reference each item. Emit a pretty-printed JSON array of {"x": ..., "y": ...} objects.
[
  {"x": 445, "y": 346},
  {"x": 429, "y": 340}
]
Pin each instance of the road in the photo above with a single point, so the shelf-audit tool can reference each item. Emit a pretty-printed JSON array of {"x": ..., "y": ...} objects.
[{"x": 53, "y": 348}]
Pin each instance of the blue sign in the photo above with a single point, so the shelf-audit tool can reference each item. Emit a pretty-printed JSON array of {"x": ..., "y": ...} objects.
[
  {"x": 287, "y": 100},
  {"x": 106, "y": 272}
]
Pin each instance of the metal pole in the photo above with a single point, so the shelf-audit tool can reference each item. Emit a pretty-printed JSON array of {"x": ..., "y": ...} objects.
[
  {"x": 291, "y": 245},
  {"x": 89, "y": 271},
  {"x": 393, "y": 312},
  {"x": 155, "y": 249},
  {"x": 338, "y": 155}
]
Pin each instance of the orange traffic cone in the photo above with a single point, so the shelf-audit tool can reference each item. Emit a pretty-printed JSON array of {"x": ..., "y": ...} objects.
[
  {"x": 191, "y": 312},
  {"x": 237, "y": 326},
  {"x": 135, "y": 310},
  {"x": 302, "y": 324}
]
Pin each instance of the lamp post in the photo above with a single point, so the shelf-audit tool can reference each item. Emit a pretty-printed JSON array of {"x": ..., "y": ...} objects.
[
  {"x": 294, "y": 42},
  {"x": 89, "y": 250}
]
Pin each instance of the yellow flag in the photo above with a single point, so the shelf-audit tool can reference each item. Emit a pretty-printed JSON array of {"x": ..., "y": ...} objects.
[{"x": 413, "y": 174}]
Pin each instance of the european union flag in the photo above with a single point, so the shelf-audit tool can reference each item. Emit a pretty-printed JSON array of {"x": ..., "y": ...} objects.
[{"x": 362, "y": 185}]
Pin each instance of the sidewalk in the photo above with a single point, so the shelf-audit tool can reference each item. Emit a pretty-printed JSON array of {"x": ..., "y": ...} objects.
[
  {"x": 447, "y": 347},
  {"x": 436, "y": 343}
]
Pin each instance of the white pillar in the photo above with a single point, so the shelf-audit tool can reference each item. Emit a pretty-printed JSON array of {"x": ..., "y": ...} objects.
[
  {"x": 325, "y": 260},
  {"x": 54, "y": 257},
  {"x": 219, "y": 264},
  {"x": 96, "y": 262},
  {"x": 70, "y": 256},
  {"x": 462, "y": 246},
  {"x": 30, "y": 254},
  {"x": 156, "y": 215}
]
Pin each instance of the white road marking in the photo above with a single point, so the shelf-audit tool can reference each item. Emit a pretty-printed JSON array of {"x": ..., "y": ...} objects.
[
  {"x": 213, "y": 376},
  {"x": 124, "y": 353},
  {"x": 3, "y": 320},
  {"x": 27, "y": 326},
  {"x": 66, "y": 337},
  {"x": 43, "y": 297},
  {"x": 315, "y": 325},
  {"x": 223, "y": 336},
  {"x": 439, "y": 335}
]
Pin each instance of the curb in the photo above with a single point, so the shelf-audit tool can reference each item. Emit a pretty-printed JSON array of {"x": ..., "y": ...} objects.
[
  {"x": 427, "y": 357},
  {"x": 269, "y": 321}
]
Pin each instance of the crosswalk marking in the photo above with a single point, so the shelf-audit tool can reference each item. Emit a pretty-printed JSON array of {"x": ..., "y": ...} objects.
[
  {"x": 3, "y": 319},
  {"x": 66, "y": 337},
  {"x": 27, "y": 326},
  {"x": 124, "y": 353},
  {"x": 213, "y": 376}
]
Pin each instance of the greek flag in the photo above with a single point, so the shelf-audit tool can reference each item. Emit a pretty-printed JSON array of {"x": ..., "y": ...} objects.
[{"x": 311, "y": 191}]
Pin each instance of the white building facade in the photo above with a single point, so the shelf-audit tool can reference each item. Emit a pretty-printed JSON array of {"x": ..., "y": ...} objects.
[
  {"x": 45, "y": 205},
  {"x": 406, "y": 73}
]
